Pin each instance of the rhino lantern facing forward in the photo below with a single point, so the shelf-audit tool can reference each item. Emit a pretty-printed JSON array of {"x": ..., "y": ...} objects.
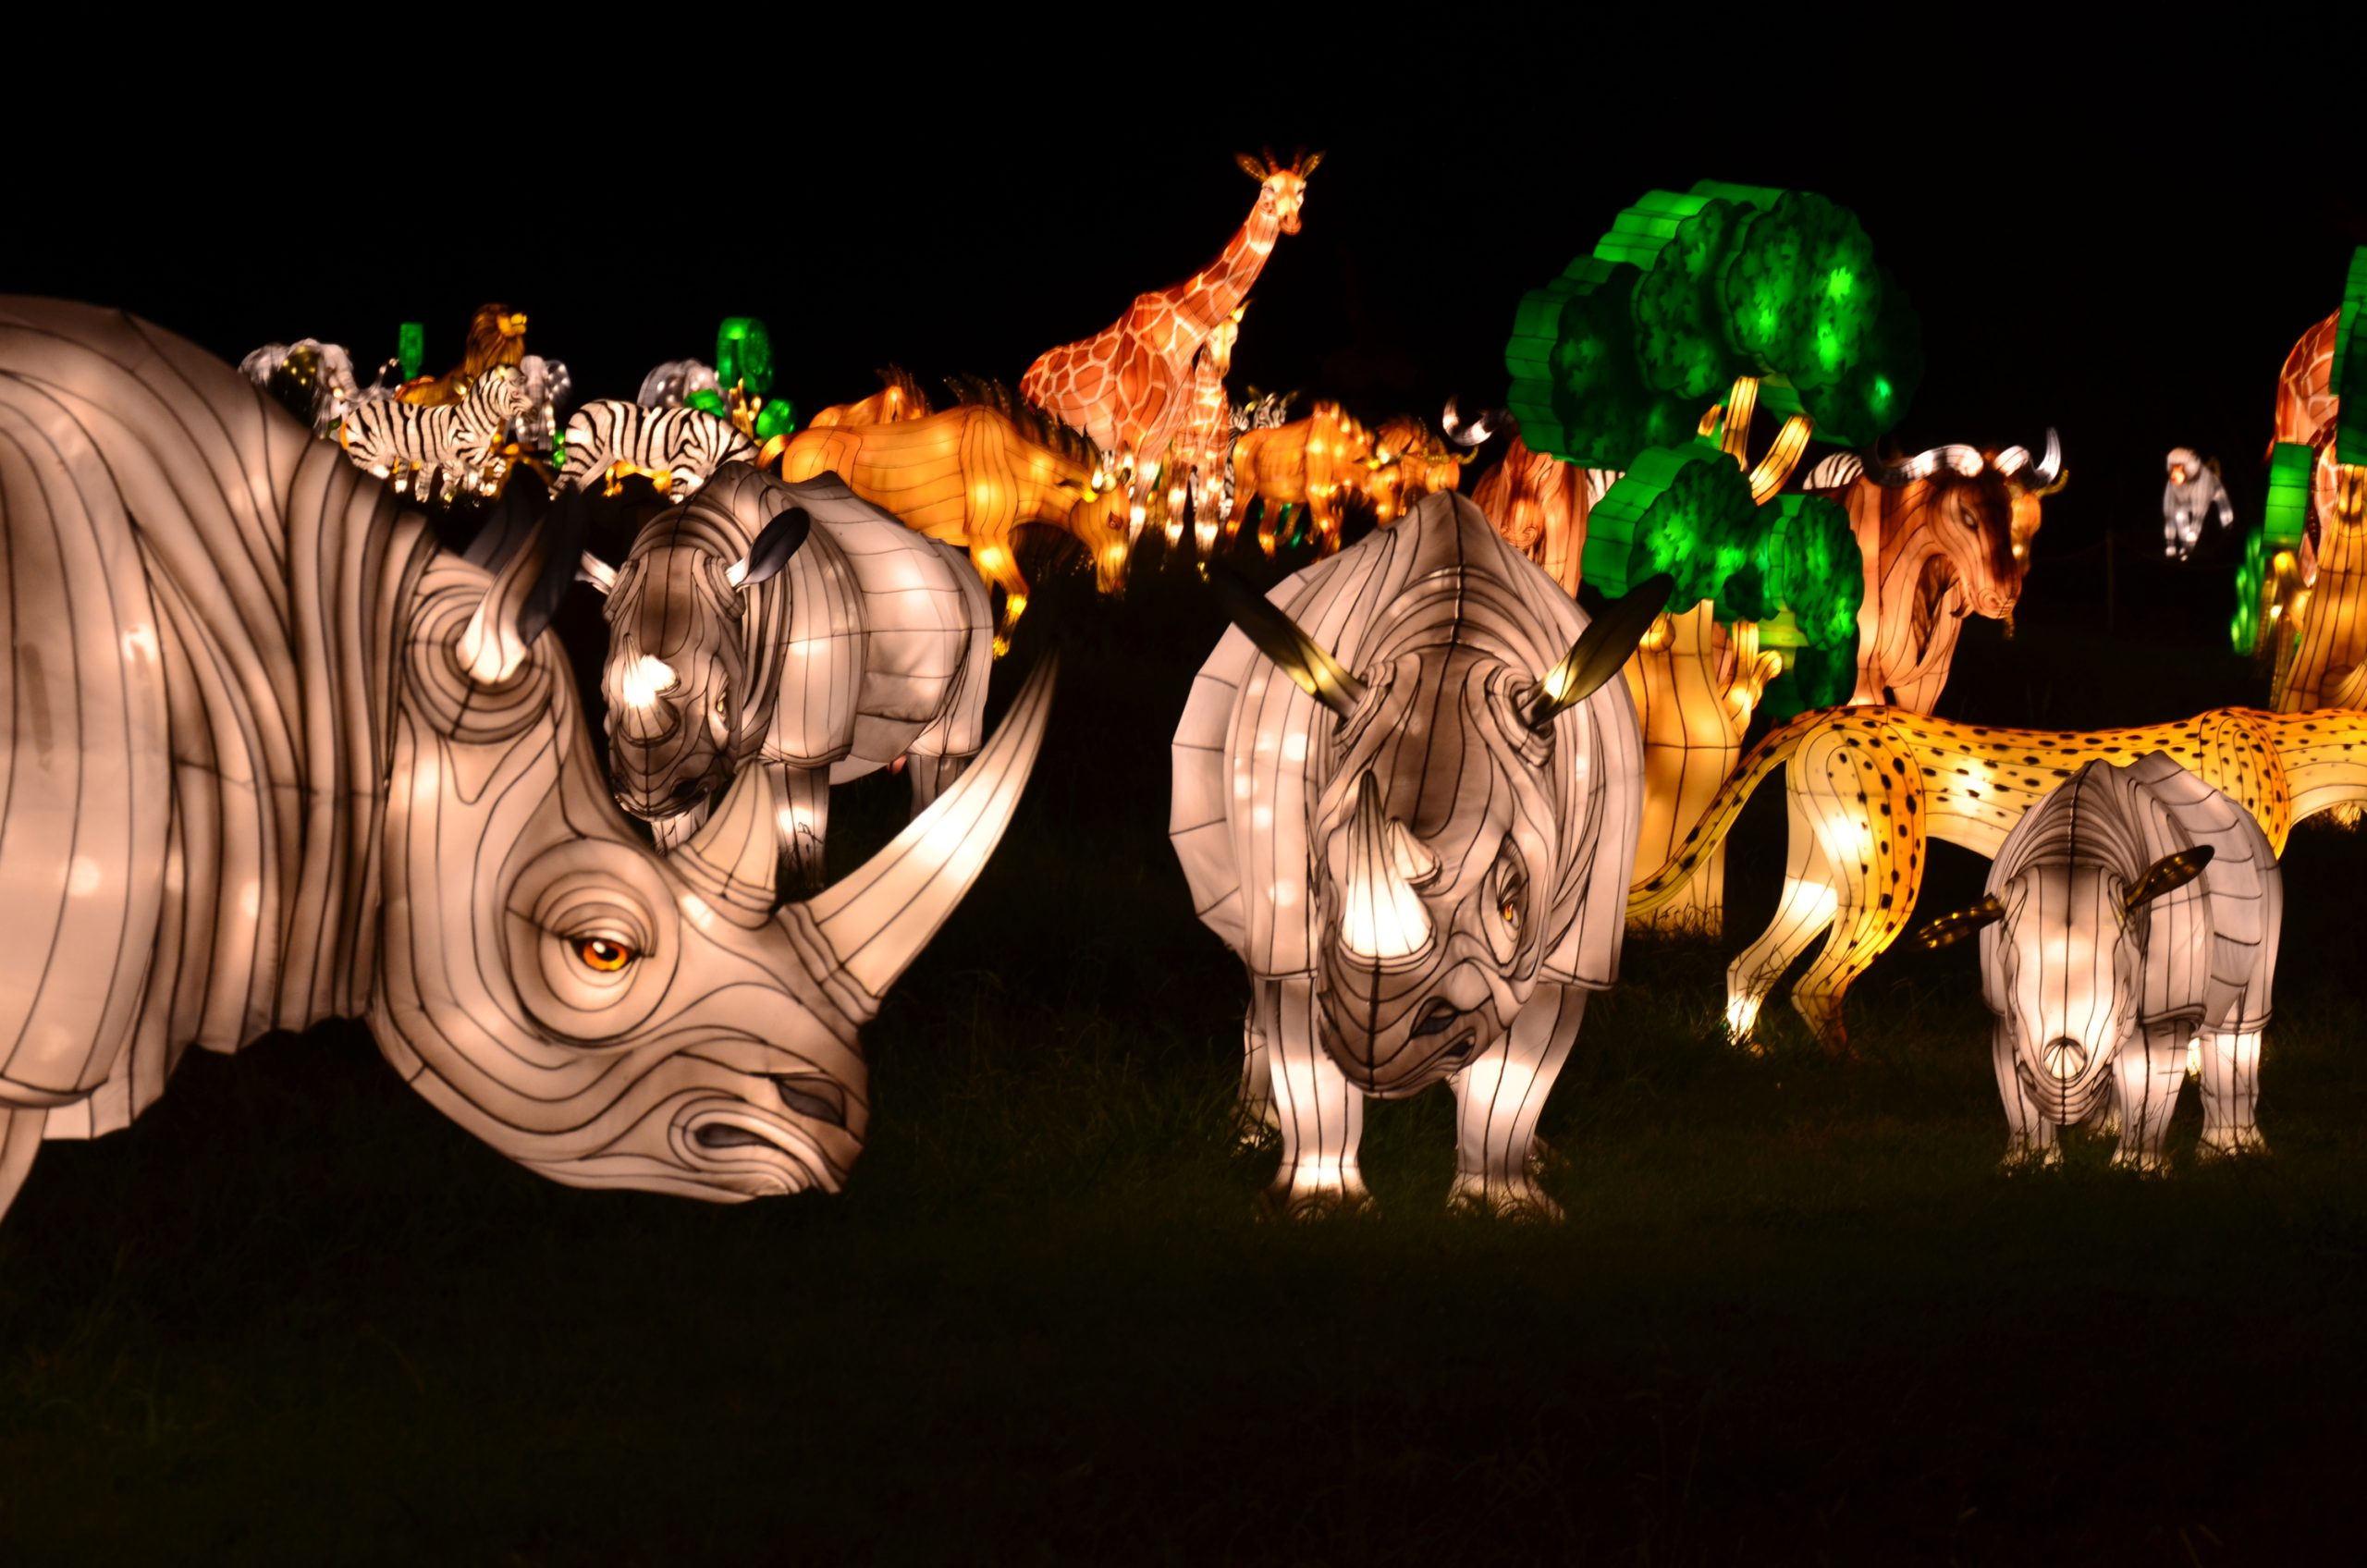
[
  {"x": 2131, "y": 912},
  {"x": 1418, "y": 841},
  {"x": 276, "y": 757}
]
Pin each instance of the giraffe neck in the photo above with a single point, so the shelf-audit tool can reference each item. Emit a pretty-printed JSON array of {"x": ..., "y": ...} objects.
[{"x": 1216, "y": 291}]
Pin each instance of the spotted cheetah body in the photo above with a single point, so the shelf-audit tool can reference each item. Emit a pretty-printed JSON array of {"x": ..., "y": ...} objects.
[{"x": 1868, "y": 788}]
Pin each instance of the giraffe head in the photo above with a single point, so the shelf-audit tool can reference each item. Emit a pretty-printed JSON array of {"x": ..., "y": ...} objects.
[{"x": 1283, "y": 186}]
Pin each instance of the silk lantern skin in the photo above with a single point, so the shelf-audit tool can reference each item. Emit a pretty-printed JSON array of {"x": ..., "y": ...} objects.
[
  {"x": 870, "y": 648},
  {"x": 280, "y": 758},
  {"x": 2131, "y": 912},
  {"x": 1422, "y": 879},
  {"x": 1867, "y": 790}
]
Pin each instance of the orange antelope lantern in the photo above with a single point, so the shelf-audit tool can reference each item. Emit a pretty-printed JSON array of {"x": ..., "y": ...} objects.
[{"x": 971, "y": 476}]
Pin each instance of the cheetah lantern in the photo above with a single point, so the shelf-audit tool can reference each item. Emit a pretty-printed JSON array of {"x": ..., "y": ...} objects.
[{"x": 1416, "y": 837}]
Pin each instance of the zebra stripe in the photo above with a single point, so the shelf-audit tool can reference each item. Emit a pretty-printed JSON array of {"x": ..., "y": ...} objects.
[
  {"x": 431, "y": 449},
  {"x": 678, "y": 448}
]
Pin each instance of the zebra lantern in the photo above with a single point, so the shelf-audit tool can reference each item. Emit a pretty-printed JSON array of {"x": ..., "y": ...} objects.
[
  {"x": 288, "y": 760},
  {"x": 2132, "y": 912},
  {"x": 1407, "y": 792}
]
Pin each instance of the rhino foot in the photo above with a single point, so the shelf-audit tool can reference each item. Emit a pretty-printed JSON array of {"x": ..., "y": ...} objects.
[
  {"x": 1520, "y": 1198},
  {"x": 2022, "y": 1162},
  {"x": 2242, "y": 1143}
]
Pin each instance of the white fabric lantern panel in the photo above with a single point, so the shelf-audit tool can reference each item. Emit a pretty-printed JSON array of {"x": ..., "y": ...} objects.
[
  {"x": 2131, "y": 916},
  {"x": 349, "y": 779},
  {"x": 1406, "y": 791}
]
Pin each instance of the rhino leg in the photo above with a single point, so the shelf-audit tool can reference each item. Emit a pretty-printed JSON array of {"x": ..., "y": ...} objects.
[
  {"x": 2149, "y": 1070},
  {"x": 932, "y": 776},
  {"x": 20, "y": 1135},
  {"x": 2030, "y": 1140},
  {"x": 1497, "y": 1100},
  {"x": 1323, "y": 1119},
  {"x": 1256, "y": 1123},
  {"x": 2230, "y": 1094},
  {"x": 804, "y": 797}
]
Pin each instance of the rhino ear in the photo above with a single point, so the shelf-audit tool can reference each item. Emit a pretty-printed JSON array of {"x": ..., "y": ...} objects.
[
  {"x": 772, "y": 549},
  {"x": 1950, "y": 929},
  {"x": 2169, "y": 874},
  {"x": 1608, "y": 643},
  {"x": 1278, "y": 637}
]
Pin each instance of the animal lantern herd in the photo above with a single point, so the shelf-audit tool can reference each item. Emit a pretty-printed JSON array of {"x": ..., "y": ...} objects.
[{"x": 299, "y": 763}]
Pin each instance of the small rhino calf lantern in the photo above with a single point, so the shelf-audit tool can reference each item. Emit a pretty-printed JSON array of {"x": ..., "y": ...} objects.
[
  {"x": 294, "y": 762},
  {"x": 795, "y": 628},
  {"x": 1418, "y": 841},
  {"x": 2130, "y": 912}
]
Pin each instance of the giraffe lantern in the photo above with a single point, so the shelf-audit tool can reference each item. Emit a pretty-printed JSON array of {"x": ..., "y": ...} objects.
[{"x": 1129, "y": 386}]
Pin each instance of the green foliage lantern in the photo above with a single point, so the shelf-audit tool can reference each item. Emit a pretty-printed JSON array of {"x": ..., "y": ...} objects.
[
  {"x": 2243, "y": 632},
  {"x": 411, "y": 347},
  {"x": 1630, "y": 345},
  {"x": 743, "y": 354}
]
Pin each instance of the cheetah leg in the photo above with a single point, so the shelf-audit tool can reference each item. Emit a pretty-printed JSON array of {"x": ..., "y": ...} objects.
[
  {"x": 1805, "y": 909},
  {"x": 1868, "y": 822}
]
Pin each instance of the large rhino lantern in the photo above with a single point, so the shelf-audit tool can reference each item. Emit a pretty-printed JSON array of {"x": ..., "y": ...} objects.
[
  {"x": 1417, "y": 838},
  {"x": 274, "y": 757},
  {"x": 2132, "y": 911}
]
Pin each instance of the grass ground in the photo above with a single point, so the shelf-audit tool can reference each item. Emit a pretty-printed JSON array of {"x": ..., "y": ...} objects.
[{"x": 1796, "y": 1314}]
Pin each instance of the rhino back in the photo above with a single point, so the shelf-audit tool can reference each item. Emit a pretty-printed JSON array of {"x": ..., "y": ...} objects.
[{"x": 193, "y": 698}]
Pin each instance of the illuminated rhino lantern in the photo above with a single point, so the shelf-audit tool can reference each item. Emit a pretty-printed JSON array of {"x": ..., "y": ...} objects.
[
  {"x": 1407, "y": 792},
  {"x": 795, "y": 628},
  {"x": 278, "y": 757},
  {"x": 2129, "y": 913}
]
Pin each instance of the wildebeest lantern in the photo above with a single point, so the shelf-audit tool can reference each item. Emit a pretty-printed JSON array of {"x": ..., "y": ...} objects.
[{"x": 1417, "y": 840}]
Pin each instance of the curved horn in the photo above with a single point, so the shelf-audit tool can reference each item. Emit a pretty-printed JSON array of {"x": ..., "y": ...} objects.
[
  {"x": 1485, "y": 426},
  {"x": 773, "y": 546},
  {"x": 1608, "y": 643},
  {"x": 876, "y": 921},
  {"x": 1381, "y": 918},
  {"x": 1950, "y": 929},
  {"x": 597, "y": 572},
  {"x": 1278, "y": 637},
  {"x": 1959, "y": 460},
  {"x": 733, "y": 862},
  {"x": 2048, "y": 474},
  {"x": 526, "y": 592}
]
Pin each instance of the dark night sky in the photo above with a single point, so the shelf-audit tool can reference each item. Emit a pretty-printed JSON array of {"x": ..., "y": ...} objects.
[{"x": 2078, "y": 257}]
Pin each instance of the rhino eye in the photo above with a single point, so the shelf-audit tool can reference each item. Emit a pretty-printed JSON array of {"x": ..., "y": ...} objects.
[{"x": 602, "y": 954}]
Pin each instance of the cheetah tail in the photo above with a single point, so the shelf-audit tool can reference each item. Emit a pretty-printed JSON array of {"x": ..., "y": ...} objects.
[{"x": 1649, "y": 892}]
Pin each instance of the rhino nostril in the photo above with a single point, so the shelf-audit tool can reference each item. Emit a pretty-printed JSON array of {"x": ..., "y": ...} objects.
[
  {"x": 815, "y": 1097},
  {"x": 1437, "y": 1018},
  {"x": 2065, "y": 1058}
]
